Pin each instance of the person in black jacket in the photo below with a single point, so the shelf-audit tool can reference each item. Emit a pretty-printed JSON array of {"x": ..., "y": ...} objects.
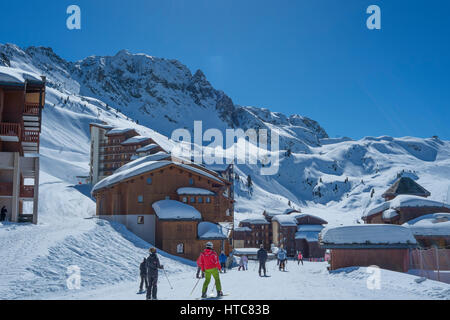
[
  {"x": 143, "y": 272},
  {"x": 153, "y": 266},
  {"x": 3, "y": 213},
  {"x": 262, "y": 258}
]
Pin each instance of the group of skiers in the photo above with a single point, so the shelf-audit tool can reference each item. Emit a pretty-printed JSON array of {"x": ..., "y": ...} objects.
[{"x": 209, "y": 264}]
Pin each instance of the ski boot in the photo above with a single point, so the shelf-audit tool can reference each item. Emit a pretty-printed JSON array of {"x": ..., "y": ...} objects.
[
  {"x": 219, "y": 294},
  {"x": 204, "y": 296}
]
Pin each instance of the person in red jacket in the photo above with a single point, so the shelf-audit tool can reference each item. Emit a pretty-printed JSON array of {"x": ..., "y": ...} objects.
[
  {"x": 299, "y": 258},
  {"x": 210, "y": 265}
]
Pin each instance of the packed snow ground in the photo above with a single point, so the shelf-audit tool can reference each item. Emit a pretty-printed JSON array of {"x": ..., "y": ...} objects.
[{"x": 310, "y": 281}]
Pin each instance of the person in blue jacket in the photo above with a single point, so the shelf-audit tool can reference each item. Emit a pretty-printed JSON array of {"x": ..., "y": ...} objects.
[
  {"x": 223, "y": 261},
  {"x": 282, "y": 257}
]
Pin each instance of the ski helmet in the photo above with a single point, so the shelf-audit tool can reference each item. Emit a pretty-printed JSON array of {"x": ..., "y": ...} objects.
[
  {"x": 152, "y": 250},
  {"x": 209, "y": 245}
]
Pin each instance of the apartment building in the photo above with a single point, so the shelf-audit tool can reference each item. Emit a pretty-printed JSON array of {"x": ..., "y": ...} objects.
[{"x": 22, "y": 98}]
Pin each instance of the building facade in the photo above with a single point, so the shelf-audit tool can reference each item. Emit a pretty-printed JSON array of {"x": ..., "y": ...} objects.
[{"x": 22, "y": 98}]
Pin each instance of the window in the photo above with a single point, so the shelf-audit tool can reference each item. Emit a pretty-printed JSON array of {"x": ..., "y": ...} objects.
[
  {"x": 228, "y": 212},
  {"x": 180, "y": 248},
  {"x": 208, "y": 200},
  {"x": 192, "y": 200},
  {"x": 167, "y": 197},
  {"x": 185, "y": 199},
  {"x": 140, "y": 199},
  {"x": 191, "y": 181},
  {"x": 200, "y": 199},
  {"x": 140, "y": 220}
]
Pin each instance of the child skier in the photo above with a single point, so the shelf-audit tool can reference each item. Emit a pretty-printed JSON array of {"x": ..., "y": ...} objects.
[
  {"x": 143, "y": 272},
  {"x": 209, "y": 264}
]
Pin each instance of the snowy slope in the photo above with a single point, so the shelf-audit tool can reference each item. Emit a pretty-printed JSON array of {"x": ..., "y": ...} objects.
[{"x": 331, "y": 178}]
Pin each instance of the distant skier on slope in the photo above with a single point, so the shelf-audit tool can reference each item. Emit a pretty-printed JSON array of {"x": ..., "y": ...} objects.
[
  {"x": 223, "y": 261},
  {"x": 209, "y": 263},
  {"x": 243, "y": 262},
  {"x": 152, "y": 274},
  {"x": 299, "y": 258},
  {"x": 282, "y": 257},
  {"x": 262, "y": 258},
  {"x": 143, "y": 273}
]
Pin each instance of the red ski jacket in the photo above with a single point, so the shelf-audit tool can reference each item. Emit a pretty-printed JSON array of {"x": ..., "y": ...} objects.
[
  {"x": 300, "y": 257},
  {"x": 208, "y": 260}
]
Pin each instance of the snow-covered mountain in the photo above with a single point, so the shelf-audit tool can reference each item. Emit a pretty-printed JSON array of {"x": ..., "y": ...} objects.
[{"x": 336, "y": 179}]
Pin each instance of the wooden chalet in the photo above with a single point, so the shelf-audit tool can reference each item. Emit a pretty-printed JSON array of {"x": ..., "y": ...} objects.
[
  {"x": 252, "y": 233},
  {"x": 385, "y": 246},
  {"x": 405, "y": 186},
  {"x": 146, "y": 196},
  {"x": 22, "y": 98}
]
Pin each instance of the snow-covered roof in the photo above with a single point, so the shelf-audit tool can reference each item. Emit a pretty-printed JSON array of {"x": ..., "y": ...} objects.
[
  {"x": 17, "y": 76},
  {"x": 175, "y": 210},
  {"x": 130, "y": 171},
  {"x": 148, "y": 147},
  {"x": 141, "y": 166},
  {"x": 245, "y": 251},
  {"x": 242, "y": 229},
  {"x": 406, "y": 185},
  {"x": 310, "y": 227},
  {"x": 195, "y": 191},
  {"x": 255, "y": 221},
  {"x": 436, "y": 224},
  {"x": 310, "y": 236},
  {"x": 286, "y": 212},
  {"x": 209, "y": 230},
  {"x": 286, "y": 220},
  {"x": 415, "y": 201},
  {"x": 135, "y": 140},
  {"x": 101, "y": 125},
  {"x": 119, "y": 131},
  {"x": 377, "y": 209},
  {"x": 389, "y": 214},
  {"x": 368, "y": 234}
]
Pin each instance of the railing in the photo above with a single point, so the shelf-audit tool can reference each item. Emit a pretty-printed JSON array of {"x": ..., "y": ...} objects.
[
  {"x": 6, "y": 188},
  {"x": 30, "y": 136},
  {"x": 31, "y": 109},
  {"x": 10, "y": 129},
  {"x": 27, "y": 192}
]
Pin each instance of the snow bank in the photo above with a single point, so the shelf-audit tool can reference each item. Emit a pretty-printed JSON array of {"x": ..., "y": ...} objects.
[
  {"x": 195, "y": 191},
  {"x": 175, "y": 210},
  {"x": 210, "y": 231},
  {"x": 368, "y": 234},
  {"x": 436, "y": 224}
]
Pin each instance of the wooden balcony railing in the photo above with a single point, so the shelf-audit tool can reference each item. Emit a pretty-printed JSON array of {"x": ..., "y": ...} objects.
[
  {"x": 10, "y": 129},
  {"x": 27, "y": 192},
  {"x": 30, "y": 136},
  {"x": 6, "y": 188},
  {"x": 31, "y": 109}
]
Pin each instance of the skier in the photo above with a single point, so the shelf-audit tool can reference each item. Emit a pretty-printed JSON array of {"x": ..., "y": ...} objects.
[
  {"x": 143, "y": 272},
  {"x": 152, "y": 274},
  {"x": 3, "y": 214},
  {"x": 262, "y": 258},
  {"x": 243, "y": 263},
  {"x": 282, "y": 257},
  {"x": 300, "y": 258},
  {"x": 209, "y": 263},
  {"x": 223, "y": 261},
  {"x": 229, "y": 261}
]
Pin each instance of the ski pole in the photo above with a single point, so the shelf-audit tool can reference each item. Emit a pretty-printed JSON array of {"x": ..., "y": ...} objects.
[
  {"x": 168, "y": 279},
  {"x": 195, "y": 286}
]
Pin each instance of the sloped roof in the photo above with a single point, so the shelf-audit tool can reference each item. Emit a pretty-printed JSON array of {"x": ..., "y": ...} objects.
[
  {"x": 119, "y": 131},
  {"x": 147, "y": 147},
  {"x": 436, "y": 224},
  {"x": 406, "y": 185},
  {"x": 367, "y": 235},
  {"x": 175, "y": 210},
  {"x": 135, "y": 140},
  {"x": 16, "y": 76},
  {"x": 210, "y": 231}
]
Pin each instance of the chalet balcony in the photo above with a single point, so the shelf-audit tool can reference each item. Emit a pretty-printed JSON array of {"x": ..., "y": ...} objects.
[
  {"x": 6, "y": 189},
  {"x": 31, "y": 109},
  {"x": 10, "y": 131}
]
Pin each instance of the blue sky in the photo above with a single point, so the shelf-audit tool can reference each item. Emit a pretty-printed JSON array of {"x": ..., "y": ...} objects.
[{"x": 311, "y": 57}]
